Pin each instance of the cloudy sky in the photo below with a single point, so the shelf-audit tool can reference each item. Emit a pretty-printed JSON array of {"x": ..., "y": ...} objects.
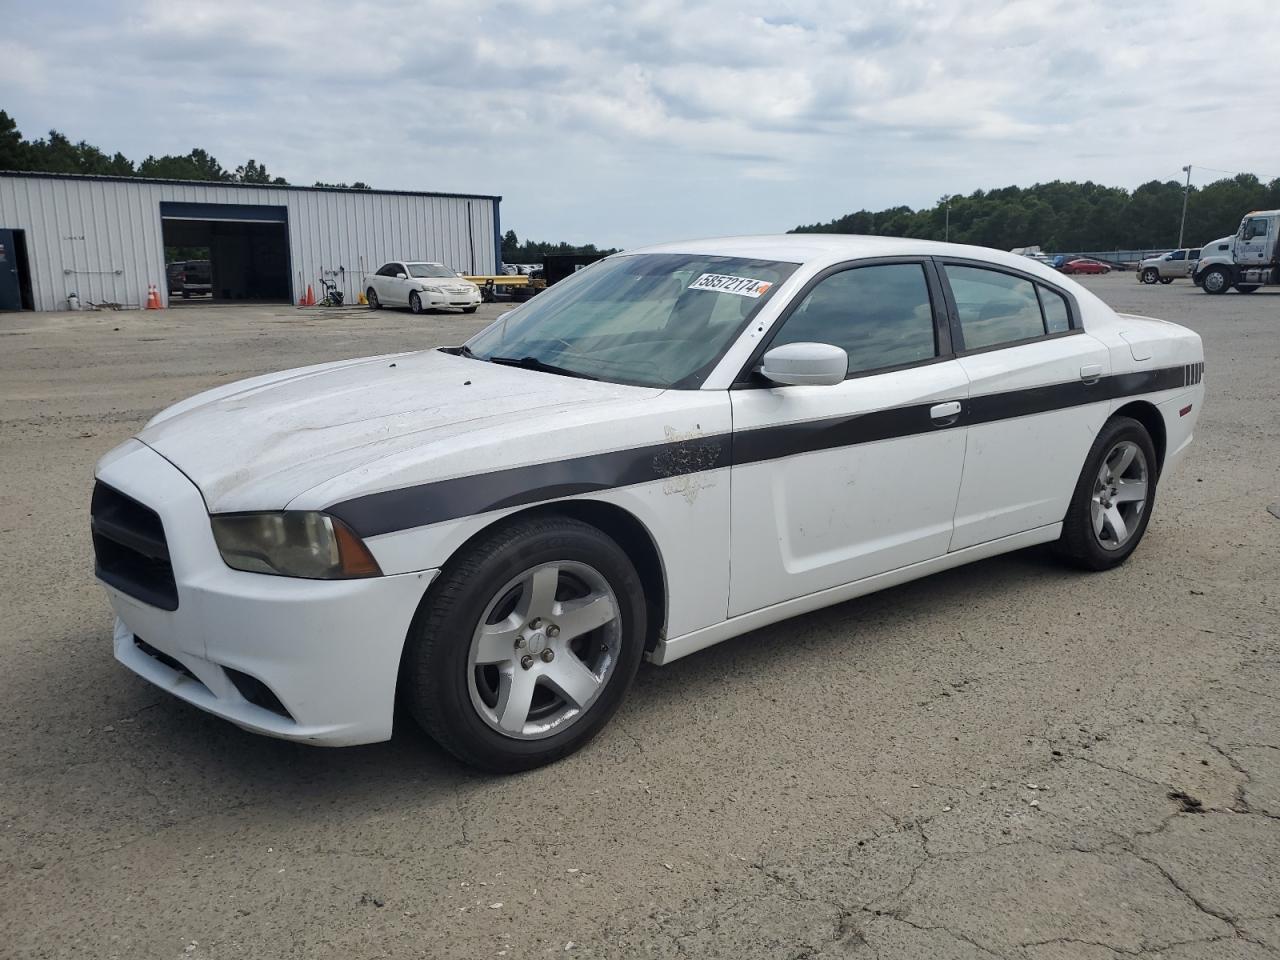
[{"x": 634, "y": 122}]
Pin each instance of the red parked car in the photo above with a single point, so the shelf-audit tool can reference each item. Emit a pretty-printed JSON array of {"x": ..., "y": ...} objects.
[{"x": 1085, "y": 265}]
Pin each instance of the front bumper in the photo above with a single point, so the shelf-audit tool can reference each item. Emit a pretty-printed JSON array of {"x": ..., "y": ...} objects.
[
  {"x": 327, "y": 650},
  {"x": 446, "y": 299}
]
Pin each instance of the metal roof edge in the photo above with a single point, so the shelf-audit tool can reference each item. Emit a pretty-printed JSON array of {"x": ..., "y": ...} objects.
[{"x": 35, "y": 174}]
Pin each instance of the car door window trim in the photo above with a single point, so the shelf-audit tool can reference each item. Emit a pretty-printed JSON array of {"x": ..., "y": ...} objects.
[
  {"x": 953, "y": 311},
  {"x": 748, "y": 379}
]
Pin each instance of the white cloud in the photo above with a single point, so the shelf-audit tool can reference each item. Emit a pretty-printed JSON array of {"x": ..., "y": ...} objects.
[{"x": 627, "y": 122}]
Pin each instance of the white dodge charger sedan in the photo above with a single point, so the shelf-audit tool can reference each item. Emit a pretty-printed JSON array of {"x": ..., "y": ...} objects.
[
  {"x": 420, "y": 286},
  {"x": 673, "y": 446}
]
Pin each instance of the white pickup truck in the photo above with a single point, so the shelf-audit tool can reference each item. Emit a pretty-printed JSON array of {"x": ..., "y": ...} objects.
[
  {"x": 1168, "y": 267},
  {"x": 1247, "y": 261}
]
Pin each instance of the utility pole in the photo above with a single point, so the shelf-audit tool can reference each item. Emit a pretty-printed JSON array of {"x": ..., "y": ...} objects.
[
  {"x": 946, "y": 200},
  {"x": 1185, "y": 190}
]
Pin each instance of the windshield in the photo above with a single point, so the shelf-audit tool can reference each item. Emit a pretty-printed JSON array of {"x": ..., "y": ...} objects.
[
  {"x": 654, "y": 320},
  {"x": 429, "y": 270}
]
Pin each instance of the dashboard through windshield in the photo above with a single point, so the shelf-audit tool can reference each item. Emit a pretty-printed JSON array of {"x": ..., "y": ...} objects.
[{"x": 654, "y": 320}]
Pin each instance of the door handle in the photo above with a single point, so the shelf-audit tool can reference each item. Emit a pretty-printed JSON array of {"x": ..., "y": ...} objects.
[
  {"x": 1090, "y": 372},
  {"x": 945, "y": 414}
]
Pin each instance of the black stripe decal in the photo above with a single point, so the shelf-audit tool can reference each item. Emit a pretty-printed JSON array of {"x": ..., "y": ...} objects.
[
  {"x": 416, "y": 506},
  {"x": 440, "y": 500}
]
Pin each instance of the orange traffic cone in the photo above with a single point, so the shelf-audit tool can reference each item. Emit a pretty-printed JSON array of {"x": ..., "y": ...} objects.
[
  {"x": 311, "y": 297},
  {"x": 153, "y": 298}
]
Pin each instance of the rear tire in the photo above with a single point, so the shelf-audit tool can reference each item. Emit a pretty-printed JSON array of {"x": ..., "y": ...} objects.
[
  {"x": 461, "y": 668},
  {"x": 1106, "y": 520}
]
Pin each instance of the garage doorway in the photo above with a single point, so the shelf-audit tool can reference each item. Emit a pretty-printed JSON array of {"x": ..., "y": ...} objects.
[
  {"x": 226, "y": 253},
  {"x": 15, "y": 271}
]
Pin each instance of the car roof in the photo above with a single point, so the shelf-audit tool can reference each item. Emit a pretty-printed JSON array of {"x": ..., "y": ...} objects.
[
  {"x": 419, "y": 263},
  {"x": 819, "y": 248}
]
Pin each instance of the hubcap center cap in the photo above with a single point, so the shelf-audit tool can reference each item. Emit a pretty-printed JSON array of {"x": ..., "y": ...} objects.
[{"x": 536, "y": 642}]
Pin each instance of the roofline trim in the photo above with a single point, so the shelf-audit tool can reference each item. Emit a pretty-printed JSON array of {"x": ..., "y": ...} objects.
[{"x": 33, "y": 174}]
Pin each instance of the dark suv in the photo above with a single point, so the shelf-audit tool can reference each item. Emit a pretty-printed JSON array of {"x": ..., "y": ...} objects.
[{"x": 189, "y": 277}]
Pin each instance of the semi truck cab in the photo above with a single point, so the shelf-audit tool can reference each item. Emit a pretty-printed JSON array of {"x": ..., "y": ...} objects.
[{"x": 1250, "y": 259}]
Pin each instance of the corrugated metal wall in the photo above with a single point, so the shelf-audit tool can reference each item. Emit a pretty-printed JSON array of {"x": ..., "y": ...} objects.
[{"x": 102, "y": 238}]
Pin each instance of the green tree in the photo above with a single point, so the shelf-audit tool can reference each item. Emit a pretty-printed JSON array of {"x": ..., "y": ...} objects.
[
  {"x": 13, "y": 149},
  {"x": 254, "y": 172},
  {"x": 196, "y": 165}
]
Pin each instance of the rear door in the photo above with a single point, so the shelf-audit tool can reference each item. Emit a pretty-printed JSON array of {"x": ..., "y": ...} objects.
[
  {"x": 832, "y": 484},
  {"x": 1036, "y": 398},
  {"x": 386, "y": 285}
]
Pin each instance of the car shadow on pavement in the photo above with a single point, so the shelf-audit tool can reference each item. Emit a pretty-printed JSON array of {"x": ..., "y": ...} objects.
[{"x": 175, "y": 747}]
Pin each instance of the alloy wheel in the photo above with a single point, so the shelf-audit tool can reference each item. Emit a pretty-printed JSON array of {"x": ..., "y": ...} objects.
[
  {"x": 544, "y": 649},
  {"x": 1119, "y": 495}
]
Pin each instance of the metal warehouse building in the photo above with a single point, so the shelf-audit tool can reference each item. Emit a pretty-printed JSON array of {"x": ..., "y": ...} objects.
[{"x": 107, "y": 238}]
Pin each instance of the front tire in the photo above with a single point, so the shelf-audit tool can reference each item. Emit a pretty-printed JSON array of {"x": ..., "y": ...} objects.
[
  {"x": 1166, "y": 280},
  {"x": 1245, "y": 287},
  {"x": 1150, "y": 275},
  {"x": 470, "y": 309},
  {"x": 525, "y": 646},
  {"x": 371, "y": 295},
  {"x": 1216, "y": 280},
  {"x": 415, "y": 303},
  {"x": 1112, "y": 502}
]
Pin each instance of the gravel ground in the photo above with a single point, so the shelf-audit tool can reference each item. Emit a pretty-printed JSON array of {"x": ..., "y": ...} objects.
[{"x": 1007, "y": 760}]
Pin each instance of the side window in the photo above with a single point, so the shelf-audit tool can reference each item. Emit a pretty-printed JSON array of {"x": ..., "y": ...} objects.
[
  {"x": 1057, "y": 319},
  {"x": 1193, "y": 255},
  {"x": 1178, "y": 255},
  {"x": 881, "y": 315},
  {"x": 994, "y": 307},
  {"x": 387, "y": 270},
  {"x": 1257, "y": 227}
]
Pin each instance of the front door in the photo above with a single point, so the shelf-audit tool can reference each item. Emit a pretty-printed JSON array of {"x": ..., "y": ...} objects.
[
  {"x": 1254, "y": 242},
  {"x": 10, "y": 282},
  {"x": 832, "y": 484},
  {"x": 1037, "y": 399}
]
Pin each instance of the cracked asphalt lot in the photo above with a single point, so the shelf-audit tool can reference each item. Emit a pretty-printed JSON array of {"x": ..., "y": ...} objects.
[{"x": 1011, "y": 760}]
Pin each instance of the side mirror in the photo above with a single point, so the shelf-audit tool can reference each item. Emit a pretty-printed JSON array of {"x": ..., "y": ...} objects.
[
  {"x": 401, "y": 276},
  {"x": 797, "y": 364}
]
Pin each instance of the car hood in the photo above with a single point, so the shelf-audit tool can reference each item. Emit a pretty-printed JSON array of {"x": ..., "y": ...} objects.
[{"x": 257, "y": 444}]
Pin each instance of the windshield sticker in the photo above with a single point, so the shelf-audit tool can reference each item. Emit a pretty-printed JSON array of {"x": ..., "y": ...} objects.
[{"x": 738, "y": 286}]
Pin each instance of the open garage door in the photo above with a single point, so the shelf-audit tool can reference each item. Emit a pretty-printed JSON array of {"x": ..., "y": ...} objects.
[{"x": 226, "y": 252}]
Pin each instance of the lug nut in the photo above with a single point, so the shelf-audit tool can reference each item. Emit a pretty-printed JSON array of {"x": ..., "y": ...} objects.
[
  {"x": 548, "y": 655},
  {"x": 526, "y": 661},
  {"x": 553, "y": 631},
  {"x": 535, "y": 623},
  {"x": 520, "y": 642}
]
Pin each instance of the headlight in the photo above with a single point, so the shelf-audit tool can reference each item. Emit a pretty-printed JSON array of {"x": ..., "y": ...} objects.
[
  {"x": 427, "y": 288},
  {"x": 293, "y": 543}
]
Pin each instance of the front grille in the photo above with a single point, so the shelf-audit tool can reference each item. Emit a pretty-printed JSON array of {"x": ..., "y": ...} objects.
[{"x": 130, "y": 549}]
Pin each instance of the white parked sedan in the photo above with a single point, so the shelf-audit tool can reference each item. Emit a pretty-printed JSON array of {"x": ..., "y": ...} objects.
[
  {"x": 420, "y": 286},
  {"x": 673, "y": 446}
]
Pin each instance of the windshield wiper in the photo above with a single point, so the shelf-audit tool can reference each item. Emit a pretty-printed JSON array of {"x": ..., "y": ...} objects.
[{"x": 533, "y": 363}]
